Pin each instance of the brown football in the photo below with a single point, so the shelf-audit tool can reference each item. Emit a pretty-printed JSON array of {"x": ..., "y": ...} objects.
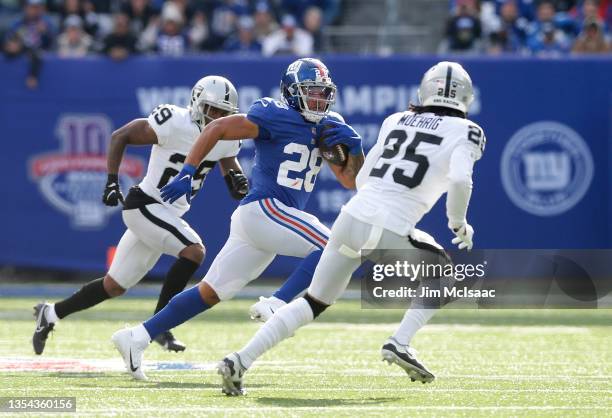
[{"x": 336, "y": 154}]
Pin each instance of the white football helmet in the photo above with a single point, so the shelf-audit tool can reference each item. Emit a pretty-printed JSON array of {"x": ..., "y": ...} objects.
[
  {"x": 447, "y": 84},
  {"x": 212, "y": 91}
]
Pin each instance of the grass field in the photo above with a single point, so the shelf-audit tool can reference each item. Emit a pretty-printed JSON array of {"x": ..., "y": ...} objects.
[{"x": 508, "y": 363}]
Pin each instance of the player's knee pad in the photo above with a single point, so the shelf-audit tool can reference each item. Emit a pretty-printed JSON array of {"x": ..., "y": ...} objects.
[{"x": 316, "y": 306}]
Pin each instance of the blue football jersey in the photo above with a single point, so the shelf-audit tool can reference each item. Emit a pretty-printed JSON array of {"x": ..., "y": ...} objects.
[{"x": 287, "y": 159}]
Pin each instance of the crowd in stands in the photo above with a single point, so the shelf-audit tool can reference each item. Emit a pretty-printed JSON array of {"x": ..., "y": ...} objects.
[
  {"x": 544, "y": 28},
  {"x": 119, "y": 28}
]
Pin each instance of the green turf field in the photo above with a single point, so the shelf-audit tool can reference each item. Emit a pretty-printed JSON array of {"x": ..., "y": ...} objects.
[{"x": 487, "y": 363}]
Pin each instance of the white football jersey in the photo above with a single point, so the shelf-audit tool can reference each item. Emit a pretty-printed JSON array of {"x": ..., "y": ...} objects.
[
  {"x": 406, "y": 171},
  {"x": 176, "y": 133}
]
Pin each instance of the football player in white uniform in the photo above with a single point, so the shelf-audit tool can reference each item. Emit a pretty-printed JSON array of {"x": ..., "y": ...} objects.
[
  {"x": 420, "y": 155},
  {"x": 155, "y": 227}
]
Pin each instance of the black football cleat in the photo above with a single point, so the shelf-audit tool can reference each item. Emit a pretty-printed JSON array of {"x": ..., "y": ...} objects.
[
  {"x": 232, "y": 372},
  {"x": 405, "y": 357},
  {"x": 43, "y": 327},
  {"x": 169, "y": 342}
]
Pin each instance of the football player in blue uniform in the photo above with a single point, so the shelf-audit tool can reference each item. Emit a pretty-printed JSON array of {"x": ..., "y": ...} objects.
[{"x": 270, "y": 220}]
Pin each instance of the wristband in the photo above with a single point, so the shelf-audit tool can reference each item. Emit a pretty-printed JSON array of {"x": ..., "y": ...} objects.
[{"x": 189, "y": 169}]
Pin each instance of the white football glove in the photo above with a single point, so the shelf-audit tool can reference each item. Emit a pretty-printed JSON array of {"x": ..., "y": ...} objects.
[{"x": 464, "y": 234}]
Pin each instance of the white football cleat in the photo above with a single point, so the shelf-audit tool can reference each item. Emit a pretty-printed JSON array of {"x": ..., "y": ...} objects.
[
  {"x": 131, "y": 351},
  {"x": 231, "y": 371},
  {"x": 405, "y": 357},
  {"x": 265, "y": 308}
]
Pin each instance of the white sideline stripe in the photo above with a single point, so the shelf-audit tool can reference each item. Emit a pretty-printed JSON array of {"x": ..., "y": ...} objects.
[
  {"x": 262, "y": 369},
  {"x": 415, "y": 388}
]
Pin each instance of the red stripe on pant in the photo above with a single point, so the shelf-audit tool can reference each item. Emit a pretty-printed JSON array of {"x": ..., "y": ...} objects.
[{"x": 292, "y": 222}]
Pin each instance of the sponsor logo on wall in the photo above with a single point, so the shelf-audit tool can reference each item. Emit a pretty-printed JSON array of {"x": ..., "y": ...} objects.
[
  {"x": 546, "y": 168},
  {"x": 72, "y": 178}
]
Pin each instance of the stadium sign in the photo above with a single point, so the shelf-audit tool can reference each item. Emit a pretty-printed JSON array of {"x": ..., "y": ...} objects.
[
  {"x": 363, "y": 100},
  {"x": 546, "y": 168},
  {"x": 72, "y": 178}
]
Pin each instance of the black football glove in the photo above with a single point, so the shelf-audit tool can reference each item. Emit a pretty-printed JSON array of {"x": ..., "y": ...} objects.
[
  {"x": 237, "y": 183},
  {"x": 112, "y": 192}
]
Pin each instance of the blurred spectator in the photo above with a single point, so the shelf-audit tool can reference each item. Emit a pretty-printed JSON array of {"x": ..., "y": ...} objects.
[
  {"x": 548, "y": 42},
  {"x": 14, "y": 47},
  {"x": 264, "y": 21},
  {"x": 140, "y": 12},
  {"x": 121, "y": 42},
  {"x": 73, "y": 41},
  {"x": 223, "y": 22},
  {"x": 313, "y": 20},
  {"x": 83, "y": 9},
  {"x": 545, "y": 14},
  {"x": 525, "y": 7},
  {"x": 171, "y": 41},
  {"x": 244, "y": 41},
  {"x": 29, "y": 35},
  {"x": 463, "y": 30},
  {"x": 298, "y": 8},
  {"x": 184, "y": 6},
  {"x": 288, "y": 40},
  {"x": 546, "y": 20},
  {"x": 199, "y": 31},
  {"x": 34, "y": 29},
  {"x": 511, "y": 34},
  {"x": 592, "y": 39},
  {"x": 588, "y": 12}
]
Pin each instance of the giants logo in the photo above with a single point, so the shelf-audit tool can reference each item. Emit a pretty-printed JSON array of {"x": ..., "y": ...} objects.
[
  {"x": 546, "y": 168},
  {"x": 72, "y": 180}
]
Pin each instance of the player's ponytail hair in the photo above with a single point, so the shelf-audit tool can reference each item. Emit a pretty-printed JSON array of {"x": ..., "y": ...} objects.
[{"x": 437, "y": 110}]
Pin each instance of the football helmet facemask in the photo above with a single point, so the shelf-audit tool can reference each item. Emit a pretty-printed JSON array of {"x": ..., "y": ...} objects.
[{"x": 212, "y": 97}]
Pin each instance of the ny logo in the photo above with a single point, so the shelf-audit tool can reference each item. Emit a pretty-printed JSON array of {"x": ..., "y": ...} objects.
[{"x": 547, "y": 171}]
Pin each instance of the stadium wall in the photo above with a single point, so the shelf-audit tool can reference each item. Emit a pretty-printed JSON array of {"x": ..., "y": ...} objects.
[{"x": 544, "y": 180}]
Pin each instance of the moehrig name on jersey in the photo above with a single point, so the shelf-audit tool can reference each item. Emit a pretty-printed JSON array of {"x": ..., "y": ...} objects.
[{"x": 420, "y": 121}]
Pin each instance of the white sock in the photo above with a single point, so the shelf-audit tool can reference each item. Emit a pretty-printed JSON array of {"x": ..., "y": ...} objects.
[
  {"x": 140, "y": 334},
  {"x": 50, "y": 314},
  {"x": 281, "y": 326},
  {"x": 414, "y": 319}
]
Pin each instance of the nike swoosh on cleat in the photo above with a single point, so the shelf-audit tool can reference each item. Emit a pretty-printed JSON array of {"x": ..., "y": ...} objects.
[{"x": 132, "y": 364}]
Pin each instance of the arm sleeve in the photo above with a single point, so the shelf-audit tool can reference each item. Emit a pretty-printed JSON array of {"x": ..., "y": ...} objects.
[{"x": 460, "y": 187}]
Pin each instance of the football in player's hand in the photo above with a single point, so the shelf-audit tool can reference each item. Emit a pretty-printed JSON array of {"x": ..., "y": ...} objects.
[{"x": 336, "y": 154}]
